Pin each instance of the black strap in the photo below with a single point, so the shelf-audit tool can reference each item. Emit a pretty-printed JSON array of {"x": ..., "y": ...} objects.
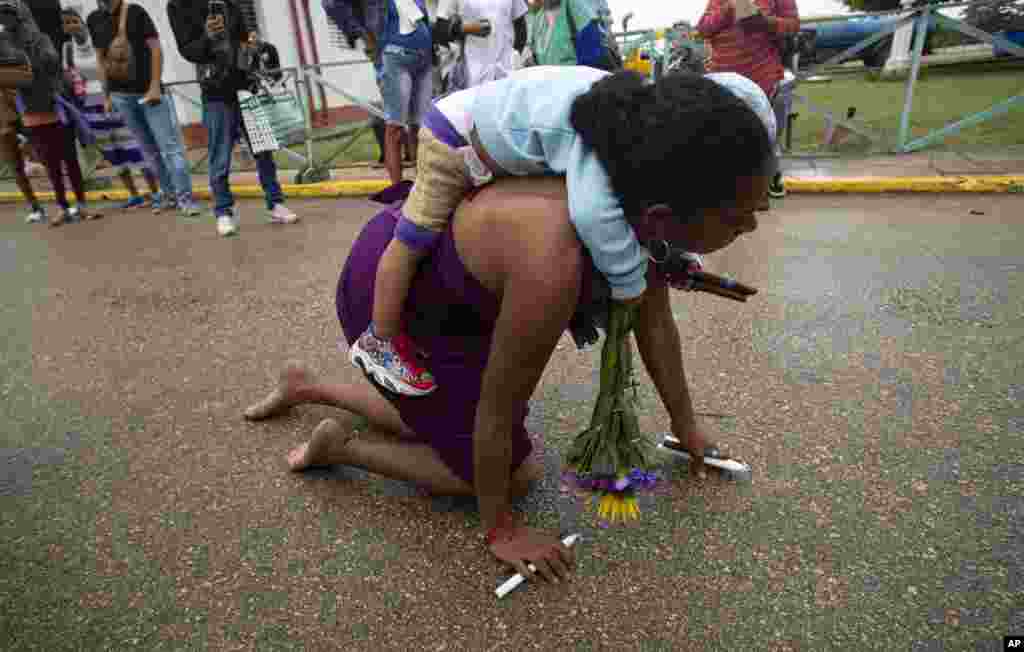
[{"x": 572, "y": 27}]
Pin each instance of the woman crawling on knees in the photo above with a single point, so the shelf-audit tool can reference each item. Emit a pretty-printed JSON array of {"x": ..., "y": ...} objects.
[{"x": 506, "y": 278}]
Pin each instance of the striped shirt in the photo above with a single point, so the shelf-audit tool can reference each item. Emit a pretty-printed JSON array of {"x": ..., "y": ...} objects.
[{"x": 754, "y": 55}]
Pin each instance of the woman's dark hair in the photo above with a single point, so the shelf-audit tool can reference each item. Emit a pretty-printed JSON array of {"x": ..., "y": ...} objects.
[{"x": 681, "y": 141}]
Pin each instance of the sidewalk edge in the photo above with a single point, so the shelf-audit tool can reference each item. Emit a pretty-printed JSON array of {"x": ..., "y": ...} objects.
[{"x": 365, "y": 187}]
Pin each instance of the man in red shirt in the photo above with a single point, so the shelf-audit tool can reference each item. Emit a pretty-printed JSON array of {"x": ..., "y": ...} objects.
[
  {"x": 745, "y": 38},
  {"x": 749, "y": 46}
]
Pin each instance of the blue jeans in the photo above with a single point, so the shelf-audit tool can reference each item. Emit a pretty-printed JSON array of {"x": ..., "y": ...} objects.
[
  {"x": 406, "y": 84},
  {"x": 156, "y": 128},
  {"x": 223, "y": 122}
]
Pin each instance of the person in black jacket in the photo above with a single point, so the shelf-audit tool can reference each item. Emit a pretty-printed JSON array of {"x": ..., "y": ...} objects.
[
  {"x": 212, "y": 42},
  {"x": 49, "y": 18}
]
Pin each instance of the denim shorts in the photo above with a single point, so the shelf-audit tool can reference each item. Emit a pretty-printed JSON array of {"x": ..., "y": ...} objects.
[{"x": 406, "y": 84}]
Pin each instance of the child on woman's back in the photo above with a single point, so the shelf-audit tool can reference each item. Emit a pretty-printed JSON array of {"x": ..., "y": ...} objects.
[{"x": 623, "y": 143}]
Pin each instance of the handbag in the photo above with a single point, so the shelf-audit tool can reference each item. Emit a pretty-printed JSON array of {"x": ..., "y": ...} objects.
[
  {"x": 273, "y": 118},
  {"x": 16, "y": 76},
  {"x": 120, "y": 60},
  {"x": 72, "y": 117}
]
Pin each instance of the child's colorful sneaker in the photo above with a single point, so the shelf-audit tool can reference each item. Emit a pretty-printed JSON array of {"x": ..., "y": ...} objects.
[{"x": 391, "y": 364}]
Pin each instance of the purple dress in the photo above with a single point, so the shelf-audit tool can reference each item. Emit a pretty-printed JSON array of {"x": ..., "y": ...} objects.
[{"x": 452, "y": 318}]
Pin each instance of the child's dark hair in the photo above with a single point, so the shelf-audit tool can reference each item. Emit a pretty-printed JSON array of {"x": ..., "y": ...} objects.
[{"x": 681, "y": 141}]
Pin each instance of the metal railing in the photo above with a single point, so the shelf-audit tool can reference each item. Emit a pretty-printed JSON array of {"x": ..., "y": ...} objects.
[
  {"x": 919, "y": 16},
  {"x": 315, "y": 167}
]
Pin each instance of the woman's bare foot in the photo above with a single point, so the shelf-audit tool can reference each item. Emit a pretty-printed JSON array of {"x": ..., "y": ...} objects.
[
  {"x": 294, "y": 378},
  {"x": 324, "y": 447}
]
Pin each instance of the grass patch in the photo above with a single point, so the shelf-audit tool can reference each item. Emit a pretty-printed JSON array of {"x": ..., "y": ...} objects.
[
  {"x": 334, "y": 150},
  {"x": 941, "y": 96}
]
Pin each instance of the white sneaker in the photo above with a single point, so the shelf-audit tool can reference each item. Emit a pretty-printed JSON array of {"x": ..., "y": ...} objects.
[
  {"x": 281, "y": 214},
  {"x": 226, "y": 226},
  {"x": 189, "y": 209},
  {"x": 36, "y": 216}
]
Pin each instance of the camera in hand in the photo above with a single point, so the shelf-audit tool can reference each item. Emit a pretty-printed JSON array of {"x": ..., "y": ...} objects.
[
  {"x": 15, "y": 69},
  {"x": 223, "y": 64}
]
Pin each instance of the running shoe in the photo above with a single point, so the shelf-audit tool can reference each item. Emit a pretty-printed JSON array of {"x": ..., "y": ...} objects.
[
  {"x": 190, "y": 209},
  {"x": 391, "y": 364},
  {"x": 281, "y": 214},
  {"x": 37, "y": 215},
  {"x": 135, "y": 202},
  {"x": 227, "y": 225}
]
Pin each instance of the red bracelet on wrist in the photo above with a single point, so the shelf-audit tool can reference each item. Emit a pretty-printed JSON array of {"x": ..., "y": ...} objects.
[{"x": 505, "y": 523}]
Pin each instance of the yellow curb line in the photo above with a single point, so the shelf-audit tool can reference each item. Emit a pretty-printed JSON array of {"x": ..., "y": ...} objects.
[
  {"x": 351, "y": 188},
  {"x": 991, "y": 183},
  {"x": 365, "y": 187}
]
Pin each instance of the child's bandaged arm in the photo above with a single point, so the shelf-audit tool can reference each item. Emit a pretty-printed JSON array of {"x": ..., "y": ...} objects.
[{"x": 596, "y": 213}]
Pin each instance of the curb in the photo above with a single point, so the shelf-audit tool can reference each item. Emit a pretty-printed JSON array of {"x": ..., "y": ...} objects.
[
  {"x": 351, "y": 188},
  {"x": 366, "y": 187},
  {"x": 976, "y": 184}
]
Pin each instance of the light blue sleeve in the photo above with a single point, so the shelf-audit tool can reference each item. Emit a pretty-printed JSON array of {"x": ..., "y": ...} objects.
[{"x": 601, "y": 224}]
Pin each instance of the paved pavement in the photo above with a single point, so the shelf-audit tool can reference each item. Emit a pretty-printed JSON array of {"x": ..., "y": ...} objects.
[{"x": 874, "y": 385}]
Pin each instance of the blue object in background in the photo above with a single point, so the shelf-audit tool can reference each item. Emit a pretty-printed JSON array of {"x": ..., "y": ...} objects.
[{"x": 1017, "y": 38}]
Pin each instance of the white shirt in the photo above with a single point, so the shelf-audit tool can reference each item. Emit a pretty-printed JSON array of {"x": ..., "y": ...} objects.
[
  {"x": 458, "y": 108},
  {"x": 491, "y": 57}
]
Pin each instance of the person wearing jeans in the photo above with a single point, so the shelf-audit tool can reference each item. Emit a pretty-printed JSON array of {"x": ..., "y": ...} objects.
[
  {"x": 223, "y": 121},
  {"x": 139, "y": 97},
  {"x": 156, "y": 128},
  {"x": 212, "y": 42},
  {"x": 406, "y": 78}
]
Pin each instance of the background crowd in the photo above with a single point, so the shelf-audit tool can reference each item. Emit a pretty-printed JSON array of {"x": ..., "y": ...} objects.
[
  {"x": 120, "y": 111},
  {"x": 52, "y": 105}
]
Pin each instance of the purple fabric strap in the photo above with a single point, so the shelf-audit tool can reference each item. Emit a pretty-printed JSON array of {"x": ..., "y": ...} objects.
[
  {"x": 415, "y": 236},
  {"x": 442, "y": 128},
  {"x": 410, "y": 234}
]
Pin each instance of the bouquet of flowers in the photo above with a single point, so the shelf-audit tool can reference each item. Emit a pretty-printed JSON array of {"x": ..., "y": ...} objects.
[{"x": 611, "y": 457}]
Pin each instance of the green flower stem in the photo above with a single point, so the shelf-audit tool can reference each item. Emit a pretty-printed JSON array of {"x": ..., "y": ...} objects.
[{"x": 613, "y": 442}]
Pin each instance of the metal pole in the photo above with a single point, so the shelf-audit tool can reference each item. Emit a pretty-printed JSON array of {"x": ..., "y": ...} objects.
[
  {"x": 915, "y": 67},
  {"x": 300, "y": 79}
]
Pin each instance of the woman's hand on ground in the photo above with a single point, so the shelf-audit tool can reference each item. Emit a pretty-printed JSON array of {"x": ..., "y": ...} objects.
[
  {"x": 695, "y": 440},
  {"x": 523, "y": 546}
]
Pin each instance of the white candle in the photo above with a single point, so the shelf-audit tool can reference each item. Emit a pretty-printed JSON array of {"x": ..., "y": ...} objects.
[{"x": 518, "y": 579}]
